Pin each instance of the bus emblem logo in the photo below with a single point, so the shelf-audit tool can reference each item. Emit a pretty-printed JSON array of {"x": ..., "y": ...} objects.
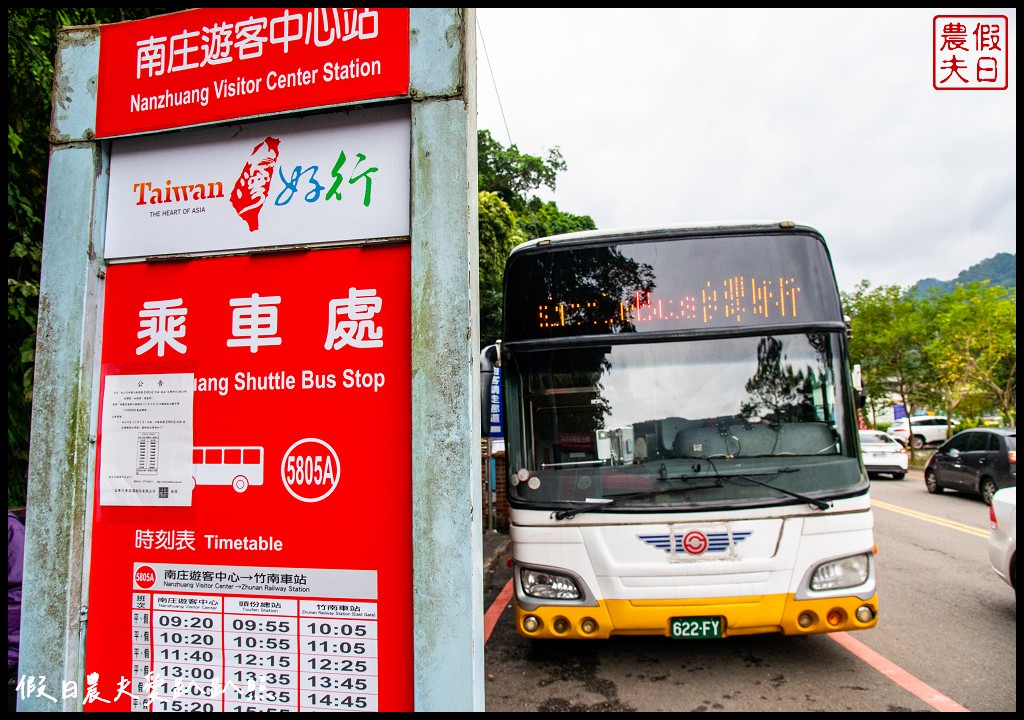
[{"x": 695, "y": 542}]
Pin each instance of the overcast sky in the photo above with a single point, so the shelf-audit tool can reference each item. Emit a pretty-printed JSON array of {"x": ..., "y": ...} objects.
[{"x": 825, "y": 117}]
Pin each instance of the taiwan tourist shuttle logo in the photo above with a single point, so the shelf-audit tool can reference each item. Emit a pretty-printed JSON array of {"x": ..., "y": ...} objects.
[{"x": 252, "y": 187}]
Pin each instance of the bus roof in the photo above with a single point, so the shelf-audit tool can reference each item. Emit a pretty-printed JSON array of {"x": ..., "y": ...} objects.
[{"x": 652, "y": 231}]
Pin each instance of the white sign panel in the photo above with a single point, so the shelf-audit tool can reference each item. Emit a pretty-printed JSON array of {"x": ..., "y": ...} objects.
[{"x": 318, "y": 180}]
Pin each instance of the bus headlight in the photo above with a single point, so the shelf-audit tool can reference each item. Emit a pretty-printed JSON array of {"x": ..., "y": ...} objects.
[
  {"x": 550, "y": 586},
  {"x": 842, "y": 573}
]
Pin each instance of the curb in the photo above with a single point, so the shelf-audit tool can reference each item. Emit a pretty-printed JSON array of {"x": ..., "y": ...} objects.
[{"x": 495, "y": 546}]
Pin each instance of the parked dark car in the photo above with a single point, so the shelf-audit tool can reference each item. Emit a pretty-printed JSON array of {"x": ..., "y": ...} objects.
[{"x": 978, "y": 461}]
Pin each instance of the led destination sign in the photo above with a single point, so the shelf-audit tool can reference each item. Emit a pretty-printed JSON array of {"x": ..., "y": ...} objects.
[
  {"x": 665, "y": 285},
  {"x": 733, "y": 300}
]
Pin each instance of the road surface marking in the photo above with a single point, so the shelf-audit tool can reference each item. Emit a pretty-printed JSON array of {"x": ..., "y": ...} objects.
[
  {"x": 496, "y": 609},
  {"x": 970, "y": 530},
  {"x": 898, "y": 675}
]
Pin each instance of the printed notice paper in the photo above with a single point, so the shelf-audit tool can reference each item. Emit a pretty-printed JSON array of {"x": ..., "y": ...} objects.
[{"x": 146, "y": 441}]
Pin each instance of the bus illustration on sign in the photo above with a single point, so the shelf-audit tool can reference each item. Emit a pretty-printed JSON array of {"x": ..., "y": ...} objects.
[{"x": 236, "y": 465}]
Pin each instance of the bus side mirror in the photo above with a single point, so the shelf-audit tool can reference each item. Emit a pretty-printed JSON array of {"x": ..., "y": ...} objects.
[
  {"x": 858, "y": 387},
  {"x": 488, "y": 362}
]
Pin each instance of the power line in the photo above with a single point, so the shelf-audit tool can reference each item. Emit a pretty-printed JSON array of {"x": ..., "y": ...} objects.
[{"x": 490, "y": 68}]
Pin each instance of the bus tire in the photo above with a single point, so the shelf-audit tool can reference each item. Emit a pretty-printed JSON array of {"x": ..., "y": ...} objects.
[{"x": 240, "y": 483}]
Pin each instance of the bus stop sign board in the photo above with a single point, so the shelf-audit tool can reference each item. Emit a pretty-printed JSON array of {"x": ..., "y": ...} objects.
[
  {"x": 258, "y": 556},
  {"x": 251, "y": 544}
]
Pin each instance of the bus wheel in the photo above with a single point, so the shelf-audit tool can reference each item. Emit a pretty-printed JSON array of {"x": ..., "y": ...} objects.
[{"x": 240, "y": 483}]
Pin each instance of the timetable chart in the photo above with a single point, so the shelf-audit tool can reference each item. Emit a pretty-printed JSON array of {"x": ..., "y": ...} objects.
[{"x": 199, "y": 652}]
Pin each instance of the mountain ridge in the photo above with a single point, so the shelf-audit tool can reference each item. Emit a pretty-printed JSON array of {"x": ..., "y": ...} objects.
[{"x": 1000, "y": 269}]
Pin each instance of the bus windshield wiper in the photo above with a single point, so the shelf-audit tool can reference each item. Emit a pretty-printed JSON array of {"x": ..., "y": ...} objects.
[
  {"x": 820, "y": 504},
  {"x": 599, "y": 503}
]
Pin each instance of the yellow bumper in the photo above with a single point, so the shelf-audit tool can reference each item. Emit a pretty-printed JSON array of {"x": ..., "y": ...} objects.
[{"x": 743, "y": 616}]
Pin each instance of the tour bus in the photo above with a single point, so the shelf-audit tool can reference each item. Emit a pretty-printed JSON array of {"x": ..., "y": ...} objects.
[{"x": 681, "y": 436}]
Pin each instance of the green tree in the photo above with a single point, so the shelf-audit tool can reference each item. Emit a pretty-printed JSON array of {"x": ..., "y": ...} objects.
[
  {"x": 973, "y": 349},
  {"x": 888, "y": 335},
  {"x": 510, "y": 214},
  {"x": 540, "y": 219},
  {"x": 498, "y": 235},
  {"x": 512, "y": 175}
]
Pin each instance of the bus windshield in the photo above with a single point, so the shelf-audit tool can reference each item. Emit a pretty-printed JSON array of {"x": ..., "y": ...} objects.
[{"x": 681, "y": 424}]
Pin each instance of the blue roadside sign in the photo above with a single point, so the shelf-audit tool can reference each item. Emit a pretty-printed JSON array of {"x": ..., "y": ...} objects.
[{"x": 495, "y": 424}]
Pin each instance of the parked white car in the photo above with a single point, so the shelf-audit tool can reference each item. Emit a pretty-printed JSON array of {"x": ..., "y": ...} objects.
[
  {"x": 1002, "y": 541},
  {"x": 927, "y": 430}
]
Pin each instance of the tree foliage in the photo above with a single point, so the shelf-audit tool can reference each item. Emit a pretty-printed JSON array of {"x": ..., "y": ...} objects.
[
  {"x": 887, "y": 337},
  {"x": 952, "y": 351},
  {"x": 512, "y": 175},
  {"x": 973, "y": 349},
  {"x": 510, "y": 214},
  {"x": 498, "y": 235}
]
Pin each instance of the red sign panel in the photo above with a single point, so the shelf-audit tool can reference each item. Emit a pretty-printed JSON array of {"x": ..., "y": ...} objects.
[
  {"x": 215, "y": 64},
  {"x": 281, "y": 576}
]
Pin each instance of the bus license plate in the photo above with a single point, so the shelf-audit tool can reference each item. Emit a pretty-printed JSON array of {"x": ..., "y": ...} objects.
[{"x": 697, "y": 628}]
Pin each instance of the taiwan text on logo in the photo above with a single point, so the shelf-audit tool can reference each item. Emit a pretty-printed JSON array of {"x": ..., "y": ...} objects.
[{"x": 970, "y": 52}]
